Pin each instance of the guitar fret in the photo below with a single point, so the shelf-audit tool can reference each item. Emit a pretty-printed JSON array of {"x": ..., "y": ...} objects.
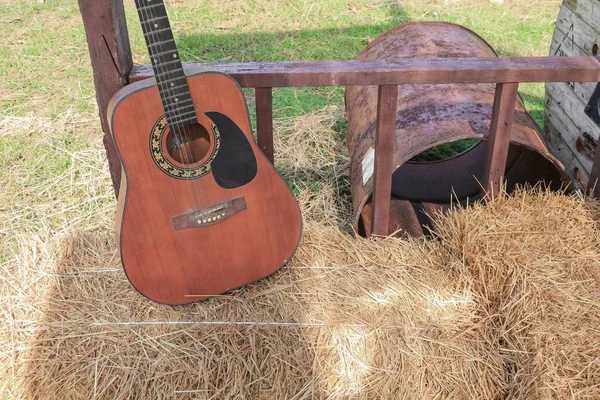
[
  {"x": 176, "y": 119},
  {"x": 149, "y": 7},
  {"x": 174, "y": 90},
  {"x": 169, "y": 72},
  {"x": 162, "y": 53},
  {"x": 179, "y": 109},
  {"x": 180, "y": 124},
  {"x": 176, "y": 108},
  {"x": 174, "y": 116},
  {"x": 174, "y": 87},
  {"x": 181, "y": 116},
  {"x": 156, "y": 19},
  {"x": 173, "y": 119},
  {"x": 177, "y": 96},
  {"x": 164, "y": 42},
  {"x": 162, "y": 63},
  {"x": 156, "y": 32},
  {"x": 183, "y": 122}
]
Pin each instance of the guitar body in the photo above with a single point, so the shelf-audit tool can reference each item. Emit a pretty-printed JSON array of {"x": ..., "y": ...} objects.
[{"x": 190, "y": 229}]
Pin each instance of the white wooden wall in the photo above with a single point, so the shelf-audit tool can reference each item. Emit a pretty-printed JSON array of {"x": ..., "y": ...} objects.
[{"x": 571, "y": 135}]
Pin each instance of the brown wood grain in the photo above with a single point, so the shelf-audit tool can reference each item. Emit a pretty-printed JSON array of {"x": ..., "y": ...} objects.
[
  {"x": 387, "y": 100},
  {"x": 499, "y": 138},
  {"x": 180, "y": 266},
  {"x": 264, "y": 121},
  {"x": 110, "y": 54},
  {"x": 402, "y": 71}
]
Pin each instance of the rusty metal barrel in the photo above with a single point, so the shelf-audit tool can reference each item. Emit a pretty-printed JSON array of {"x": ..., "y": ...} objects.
[{"x": 430, "y": 116}]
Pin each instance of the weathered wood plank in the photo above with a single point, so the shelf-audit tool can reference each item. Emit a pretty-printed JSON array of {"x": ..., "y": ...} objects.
[
  {"x": 574, "y": 38},
  {"x": 387, "y": 100},
  {"x": 581, "y": 133},
  {"x": 587, "y": 10},
  {"x": 570, "y": 134},
  {"x": 576, "y": 171},
  {"x": 582, "y": 90},
  {"x": 264, "y": 121},
  {"x": 499, "y": 138},
  {"x": 403, "y": 71},
  {"x": 574, "y": 130},
  {"x": 577, "y": 32},
  {"x": 563, "y": 123},
  {"x": 110, "y": 54}
]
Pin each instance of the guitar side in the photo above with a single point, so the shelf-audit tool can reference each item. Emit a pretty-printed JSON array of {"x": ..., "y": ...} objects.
[{"x": 186, "y": 239}]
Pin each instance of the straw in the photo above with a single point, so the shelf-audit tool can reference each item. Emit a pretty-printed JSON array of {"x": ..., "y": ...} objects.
[{"x": 503, "y": 303}]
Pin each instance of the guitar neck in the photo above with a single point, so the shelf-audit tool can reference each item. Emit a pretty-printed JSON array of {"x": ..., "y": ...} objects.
[{"x": 170, "y": 78}]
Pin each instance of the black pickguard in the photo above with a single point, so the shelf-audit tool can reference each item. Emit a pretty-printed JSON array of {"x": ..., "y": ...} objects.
[{"x": 234, "y": 165}]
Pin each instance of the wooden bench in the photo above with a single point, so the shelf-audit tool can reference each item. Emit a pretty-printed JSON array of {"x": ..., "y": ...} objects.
[{"x": 110, "y": 53}]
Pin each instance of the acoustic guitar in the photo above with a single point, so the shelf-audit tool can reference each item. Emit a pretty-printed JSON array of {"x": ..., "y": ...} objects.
[{"x": 201, "y": 210}]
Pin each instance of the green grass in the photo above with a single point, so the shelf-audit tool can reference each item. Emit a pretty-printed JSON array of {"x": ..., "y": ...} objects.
[
  {"x": 44, "y": 65},
  {"x": 445, "y": 151},
  {"x": 45, "y": 70}
]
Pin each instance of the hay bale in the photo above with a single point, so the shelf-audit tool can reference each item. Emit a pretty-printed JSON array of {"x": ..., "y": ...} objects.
[{"x": 505, "y": 303}]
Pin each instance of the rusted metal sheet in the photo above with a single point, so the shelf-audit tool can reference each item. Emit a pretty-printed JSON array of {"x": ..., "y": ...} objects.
[{"x": 430, "y": 115}]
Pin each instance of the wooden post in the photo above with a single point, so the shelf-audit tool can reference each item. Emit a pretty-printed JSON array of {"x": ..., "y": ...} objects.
[
  {"x": 264, "y": 121},
  {"x": 110, "y": 53},
  {"x": 387, "y": 101},
  {"x": 499, "y": 138}
]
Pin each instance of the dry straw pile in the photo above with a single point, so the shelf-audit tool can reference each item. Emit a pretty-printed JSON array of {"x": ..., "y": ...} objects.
[{"x": 504, "y": 303}]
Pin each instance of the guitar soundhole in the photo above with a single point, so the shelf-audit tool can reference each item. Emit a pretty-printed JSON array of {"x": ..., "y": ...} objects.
[{"x": 188, "y": 144}]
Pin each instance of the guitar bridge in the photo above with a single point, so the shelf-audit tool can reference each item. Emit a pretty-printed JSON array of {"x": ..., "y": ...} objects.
[{"x": 207, "y": 216}]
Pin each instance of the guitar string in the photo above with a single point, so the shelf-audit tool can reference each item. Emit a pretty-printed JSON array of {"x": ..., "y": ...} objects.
[
  {"x": 180, "y": 133},
  {"x": 193, "y": 187},
  {"x": 168, "y": 106},
  {"x": 149, "y": 37}
]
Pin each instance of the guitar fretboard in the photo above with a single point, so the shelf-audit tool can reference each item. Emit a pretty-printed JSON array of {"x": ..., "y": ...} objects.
[{"x": 164, "y": 57}]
